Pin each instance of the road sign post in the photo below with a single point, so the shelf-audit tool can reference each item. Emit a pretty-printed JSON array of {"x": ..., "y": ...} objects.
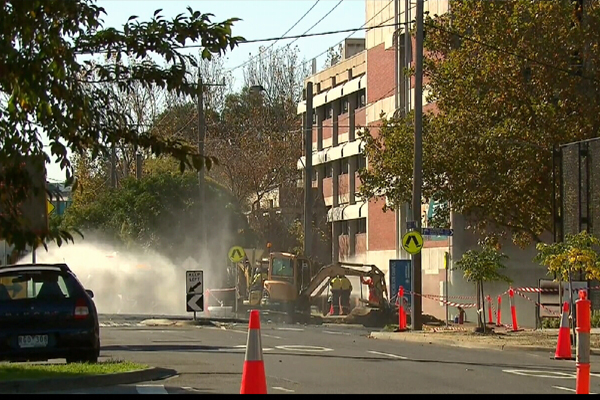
[
  {"x": 194, "y": 291},
  {"x": 236, "y": 254}
]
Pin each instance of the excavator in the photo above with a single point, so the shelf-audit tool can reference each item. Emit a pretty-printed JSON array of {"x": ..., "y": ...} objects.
[{"x": 294, "y": 283}]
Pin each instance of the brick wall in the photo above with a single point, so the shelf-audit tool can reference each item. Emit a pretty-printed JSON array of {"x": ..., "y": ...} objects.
[
  {"x": 360, "y": 117},
  {"x": 381, "y": 227},
  {"x": 327, "y": 128},
  {"x": 361, "y": 244},
  {"x": 343, "y": 124},
  {"x": 381, "y": 68},
  {"x": 327, "y": 187}
]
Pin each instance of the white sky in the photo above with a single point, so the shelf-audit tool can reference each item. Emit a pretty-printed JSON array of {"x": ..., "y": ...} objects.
[{"x": 260, "y": 19}]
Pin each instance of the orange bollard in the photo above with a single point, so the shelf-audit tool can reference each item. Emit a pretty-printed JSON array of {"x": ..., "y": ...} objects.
[
  {"x": 498, "y": 320},
  {"x": 401, "y": 314},
  {"x": 563, "y": 346},
  {"x": 254, "y": 380},
  {"x": 513, "y": 309},
  {"x": 490, "y": 316},
  {"x": 583, "y": 307}
]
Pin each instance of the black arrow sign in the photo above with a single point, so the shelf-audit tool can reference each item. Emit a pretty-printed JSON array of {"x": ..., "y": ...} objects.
[
  {"x": 238, "y": 252},
  {"x": 195, "y": 302},
  {"x": 412, "y": 238},
  {"x": 193, "y": 288}
]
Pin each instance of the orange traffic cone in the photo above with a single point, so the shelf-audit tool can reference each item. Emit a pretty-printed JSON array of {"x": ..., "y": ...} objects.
[
  {"x": 563, "y": 347},
  {"x": 254, "y": 380}
]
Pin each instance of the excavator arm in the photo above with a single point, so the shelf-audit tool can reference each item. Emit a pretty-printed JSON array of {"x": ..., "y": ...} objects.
[{"x": 342, "y": 268}]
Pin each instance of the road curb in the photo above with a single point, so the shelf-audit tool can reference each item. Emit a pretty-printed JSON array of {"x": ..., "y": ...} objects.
[
  {"x": 81, "y": 382},
  {"x": 445, "y": 342},
  {"x": 187, "y": 322}
]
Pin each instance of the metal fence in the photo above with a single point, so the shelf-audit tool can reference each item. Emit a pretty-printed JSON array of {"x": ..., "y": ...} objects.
[{"x": 577, "y": 200}]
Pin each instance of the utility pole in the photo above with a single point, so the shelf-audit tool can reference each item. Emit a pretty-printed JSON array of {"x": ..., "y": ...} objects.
[
  {"x": 138, "y": 165},
  {"x": 201, "y": 180},
  {"x": 416, "y": 309},
  {"x": 201, "y": 139},
  {"x": 113, "y": 167},
  {"x": 308, "y": 195}
]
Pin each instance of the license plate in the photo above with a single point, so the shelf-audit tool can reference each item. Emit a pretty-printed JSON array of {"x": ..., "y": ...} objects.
[{"x": 31, "y": 341}]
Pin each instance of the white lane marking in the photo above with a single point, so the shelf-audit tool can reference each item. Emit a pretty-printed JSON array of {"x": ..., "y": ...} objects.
[
  {"x": 151, "y": 389},
  {"x": 283, "y": 389},
  {"x": 290, "y": 329},
  {"x": 300, "y": 347},
  {"x": 337, "y": 333},
  {"x": 190, "y": 389},
  {"x": 262, "y": 334},
  {"x": 243, "y": 346},
  {"x": 388, "y": 355},
  {"x": 567, "y": 389},
  {"x": 540, "y": 374}
]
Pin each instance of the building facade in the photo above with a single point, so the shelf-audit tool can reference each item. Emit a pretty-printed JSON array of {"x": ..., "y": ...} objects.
[
  {"x": 355, "y": 93},
  {"x": 367, "y": 83}
]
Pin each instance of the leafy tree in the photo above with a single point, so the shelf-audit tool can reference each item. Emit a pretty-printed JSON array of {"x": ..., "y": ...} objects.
[
  {"x": 507, "y": 88},
  {"x": 578, "y": 254},
  {"x": 481, "y": 266},
  {"x": 48, "y": 87}
]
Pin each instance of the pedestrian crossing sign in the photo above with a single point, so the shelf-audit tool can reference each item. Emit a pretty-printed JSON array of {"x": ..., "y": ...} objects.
[{"x": 412, "y": 242}]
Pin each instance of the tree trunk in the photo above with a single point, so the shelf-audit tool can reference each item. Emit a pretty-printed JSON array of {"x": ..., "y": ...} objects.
[
  {"x": 479, "y": 321},
  {"x": 483, "y": 306}
]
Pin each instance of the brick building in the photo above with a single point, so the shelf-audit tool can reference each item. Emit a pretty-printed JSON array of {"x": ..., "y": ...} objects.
[
  {"x": 367, "y": 82},
  {"x": 352, "y": 94}
]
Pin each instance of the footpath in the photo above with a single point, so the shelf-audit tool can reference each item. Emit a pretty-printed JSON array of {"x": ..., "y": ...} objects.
[{"x": 500, "y": 339}]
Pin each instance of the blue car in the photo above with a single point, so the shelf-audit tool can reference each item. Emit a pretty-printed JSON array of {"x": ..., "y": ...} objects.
[{"x": 46, "y": 313}]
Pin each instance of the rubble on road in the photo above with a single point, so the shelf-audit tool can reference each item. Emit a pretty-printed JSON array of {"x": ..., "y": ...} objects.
[{"x": 498, "y": 338}]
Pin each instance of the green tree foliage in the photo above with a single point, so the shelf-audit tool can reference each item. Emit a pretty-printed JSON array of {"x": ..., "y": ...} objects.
[
  {"x": 49, "y": 85},
  {"x": 507, "y": 88},
  {"x": 481, "y": 266},
  {"x": 576, "y": 254},
  {"x": 161, "y": 211}
]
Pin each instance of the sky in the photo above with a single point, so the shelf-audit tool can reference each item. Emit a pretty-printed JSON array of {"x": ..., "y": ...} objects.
[{"x": 259, "y": 20}]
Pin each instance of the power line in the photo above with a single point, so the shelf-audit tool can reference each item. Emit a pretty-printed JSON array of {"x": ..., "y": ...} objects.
[
  {"x": 273, "y": 44},
  {"x": 316, "y": 23}
]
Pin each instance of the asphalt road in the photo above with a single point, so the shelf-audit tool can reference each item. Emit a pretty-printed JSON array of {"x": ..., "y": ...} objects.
[{"x": 330, "y": 359}]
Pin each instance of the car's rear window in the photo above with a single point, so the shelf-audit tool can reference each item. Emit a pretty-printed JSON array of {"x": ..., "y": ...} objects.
[{"x": 37, "y": 285}]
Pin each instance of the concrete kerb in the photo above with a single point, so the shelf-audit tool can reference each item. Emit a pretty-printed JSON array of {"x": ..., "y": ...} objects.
[
  {"x": 414, "y": 338},
  {"x": 197, "y": 322},
  {"x": 82, "y": 382}
]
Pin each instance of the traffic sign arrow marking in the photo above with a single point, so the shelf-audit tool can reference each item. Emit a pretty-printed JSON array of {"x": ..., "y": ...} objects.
[
  {"x": 195, "y": 302},
  {"x": 193, "y": 288}
]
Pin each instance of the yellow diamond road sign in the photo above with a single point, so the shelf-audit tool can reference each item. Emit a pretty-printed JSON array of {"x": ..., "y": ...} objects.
[
  {"x": 412, "y": 242},
  {"x": 236, "y": 254},
  {"x": 49, "y": 206}
]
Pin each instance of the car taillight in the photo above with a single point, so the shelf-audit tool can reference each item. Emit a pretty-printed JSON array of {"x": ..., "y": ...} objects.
[{"x": 81, "y": 309}]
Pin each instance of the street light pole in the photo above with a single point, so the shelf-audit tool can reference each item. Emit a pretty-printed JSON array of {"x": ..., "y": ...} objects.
[
  {"x": 416, "y": 309},
  {"x": 308, "y": 122}
]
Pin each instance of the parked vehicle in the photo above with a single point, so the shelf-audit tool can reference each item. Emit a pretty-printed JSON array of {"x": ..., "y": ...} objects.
[{"x": 46, "y": 313}]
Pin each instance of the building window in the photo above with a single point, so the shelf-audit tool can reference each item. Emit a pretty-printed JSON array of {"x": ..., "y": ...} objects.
[
  {"x": 314, "y": 174},
  {"x": 362, "y": 99},
  {"x": 314, "y": 117},
  {"x": 343, "y": 166},
  {"x": 328, "y": 170},
  {"x": 344, "y": 228},
  {"x": 345, "y": 105},
  {"x": 361, "y": 225},
  {"x": 362, "y": 162},
  {"x": 328, "y": 111}
]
